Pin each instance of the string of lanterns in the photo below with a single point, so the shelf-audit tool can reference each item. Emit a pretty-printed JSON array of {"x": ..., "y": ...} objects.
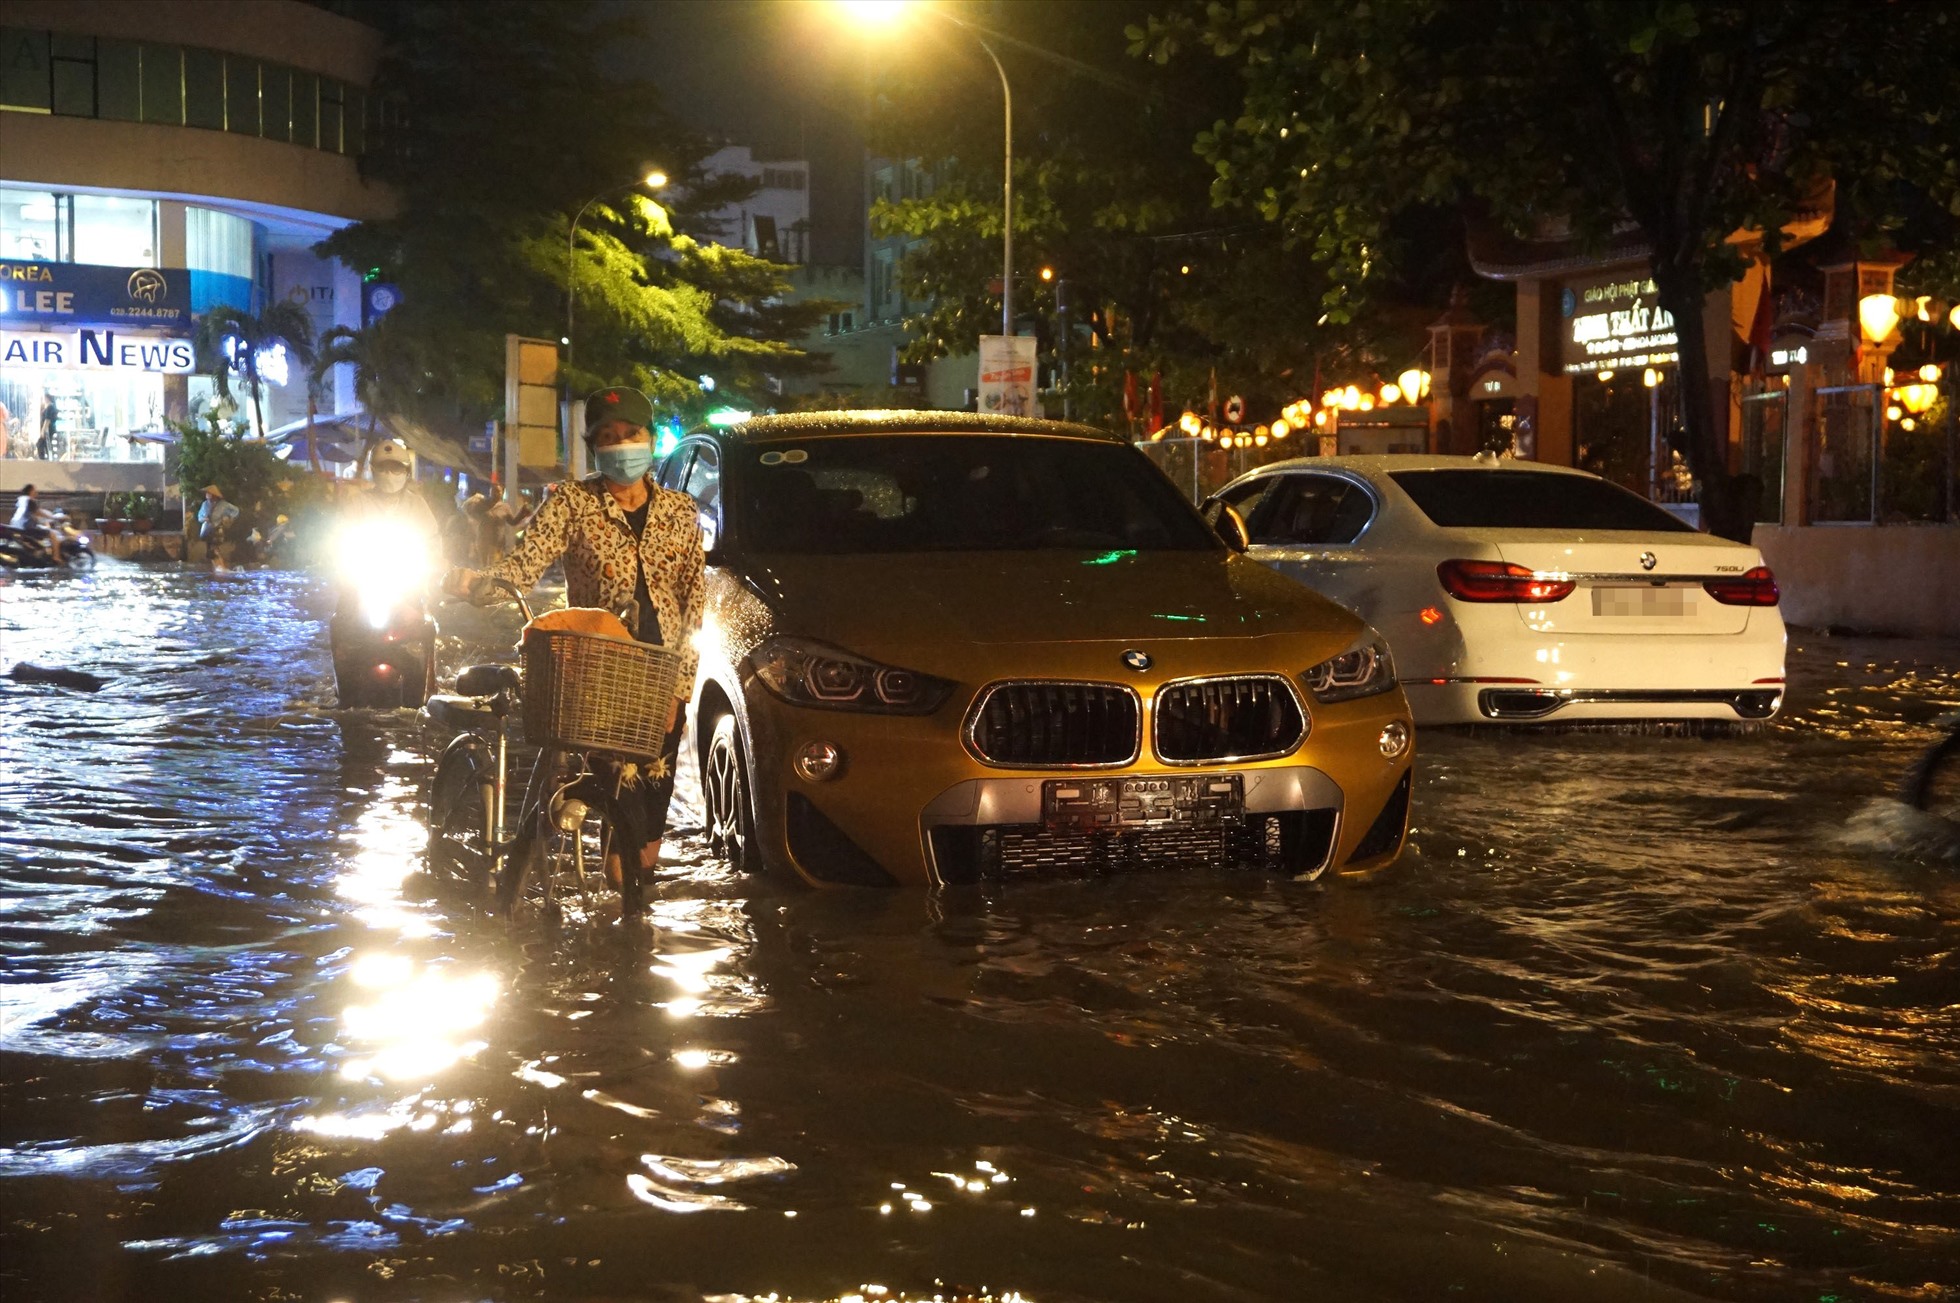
[
  {"x": 1909, "y": 401},
  {"x": 1411, "y": 387}
]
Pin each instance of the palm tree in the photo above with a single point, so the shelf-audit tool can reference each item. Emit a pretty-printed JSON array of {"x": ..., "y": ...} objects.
[
  {"x": 345, "y": 346},
  {"x": 232, "y": 342}
]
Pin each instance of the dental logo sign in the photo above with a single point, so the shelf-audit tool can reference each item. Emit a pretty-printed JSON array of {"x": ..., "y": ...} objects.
[
  {"x": 97, "y": 350},
  {"x": 1616, "y": 324}
]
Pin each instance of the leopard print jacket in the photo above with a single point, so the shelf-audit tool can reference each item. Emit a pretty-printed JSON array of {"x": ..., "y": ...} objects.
[{"x": 583, "y": 523}]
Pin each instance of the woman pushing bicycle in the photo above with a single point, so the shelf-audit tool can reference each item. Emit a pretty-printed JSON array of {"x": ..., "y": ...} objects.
[{"x": 629, "y": 546}]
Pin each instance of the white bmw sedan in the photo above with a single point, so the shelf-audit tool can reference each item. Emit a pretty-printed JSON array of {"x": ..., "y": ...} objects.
[{"x": 1517, "y": 592}]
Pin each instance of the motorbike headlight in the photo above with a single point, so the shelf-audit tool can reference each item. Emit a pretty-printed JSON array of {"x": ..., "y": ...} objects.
[
  {"x": 1363, "y": 670},
  {"x": 805, "y": 672}
]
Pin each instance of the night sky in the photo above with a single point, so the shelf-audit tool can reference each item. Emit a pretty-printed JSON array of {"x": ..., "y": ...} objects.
[{"x": 782, "y": 76}]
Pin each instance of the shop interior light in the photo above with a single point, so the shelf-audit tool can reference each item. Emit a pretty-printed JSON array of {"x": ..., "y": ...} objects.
[
  {"x": 1877, "y": 315},
  {"x": 1391, "y": 395}
]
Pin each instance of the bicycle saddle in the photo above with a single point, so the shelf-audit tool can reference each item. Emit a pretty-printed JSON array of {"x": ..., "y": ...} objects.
[{"x": 483, "y": 680}]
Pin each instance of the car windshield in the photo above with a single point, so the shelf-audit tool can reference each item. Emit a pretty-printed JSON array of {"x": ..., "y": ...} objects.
[
  {"x": 1508, "y": 499},
  {"x": 843, "y": 494}
]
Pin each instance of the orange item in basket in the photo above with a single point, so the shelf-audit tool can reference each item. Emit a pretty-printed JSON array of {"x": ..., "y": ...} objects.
[{"x": 582, "y": 619}]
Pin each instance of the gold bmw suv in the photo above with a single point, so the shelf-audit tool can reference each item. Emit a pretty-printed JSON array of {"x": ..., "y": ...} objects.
[{"x": 945, "y": 648}]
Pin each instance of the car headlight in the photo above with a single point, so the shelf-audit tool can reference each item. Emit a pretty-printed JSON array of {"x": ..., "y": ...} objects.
[
  {"x": 805, "y": 672},
  {"x": 1363, "y": 670}
]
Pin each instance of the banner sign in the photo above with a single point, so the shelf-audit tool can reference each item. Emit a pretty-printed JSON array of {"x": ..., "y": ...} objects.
[
  {"x": 97, "y": 350},
  {"x": 1007, "y": 375},
  {"x": 1616, "y": 323},
  {"x": 79, "y": 293}
]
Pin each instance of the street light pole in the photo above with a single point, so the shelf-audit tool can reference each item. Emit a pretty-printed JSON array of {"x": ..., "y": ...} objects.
[{"x": 1006, "y": 194}]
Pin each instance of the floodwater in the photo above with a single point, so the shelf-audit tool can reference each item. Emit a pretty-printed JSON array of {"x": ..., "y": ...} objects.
[{"x": 1637, "y": 1017}]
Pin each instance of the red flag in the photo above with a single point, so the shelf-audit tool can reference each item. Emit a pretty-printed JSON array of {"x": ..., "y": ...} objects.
[{"x": 1156, "y": 401}]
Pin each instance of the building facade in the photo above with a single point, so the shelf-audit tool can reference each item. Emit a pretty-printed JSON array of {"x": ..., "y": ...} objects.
[{"x": 159, "y": 158}]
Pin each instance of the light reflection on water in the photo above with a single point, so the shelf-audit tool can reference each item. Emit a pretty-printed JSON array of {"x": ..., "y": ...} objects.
[{"x": 1638, "y": 1018}]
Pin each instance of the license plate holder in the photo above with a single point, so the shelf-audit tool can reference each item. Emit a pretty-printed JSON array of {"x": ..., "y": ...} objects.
[
  {"x": 1151, "y": 801},
  {"x": 1642, "y": 601}
]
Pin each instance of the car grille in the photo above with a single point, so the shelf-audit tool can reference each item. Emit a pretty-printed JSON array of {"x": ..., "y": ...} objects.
[
  {"x": 1291, "y": 842},
  {"x": 1056, "y": 725},
  {"x": 1227, "y": 719}
]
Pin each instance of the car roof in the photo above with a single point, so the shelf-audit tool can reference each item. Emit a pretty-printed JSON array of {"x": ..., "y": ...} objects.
[
  {"x": 1382, "y": 463},
  {"x": 804, "y": 425}
]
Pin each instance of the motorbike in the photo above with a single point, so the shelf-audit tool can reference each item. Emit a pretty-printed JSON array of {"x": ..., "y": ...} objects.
[
  {"x": 384, "y": 641},
  {"x": 22, "y": 549}
]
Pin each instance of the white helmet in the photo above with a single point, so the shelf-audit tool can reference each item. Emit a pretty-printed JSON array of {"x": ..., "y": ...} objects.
[{"x": 389, "y": 452}]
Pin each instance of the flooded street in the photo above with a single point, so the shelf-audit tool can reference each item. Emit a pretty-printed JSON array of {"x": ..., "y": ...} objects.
[{"x": 1637, "y": 1017}]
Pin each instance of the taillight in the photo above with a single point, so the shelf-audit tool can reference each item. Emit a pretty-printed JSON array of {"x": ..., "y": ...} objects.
[
  {"x": 1755, "y": 588},
  {"x": 1500, "y": 581}
]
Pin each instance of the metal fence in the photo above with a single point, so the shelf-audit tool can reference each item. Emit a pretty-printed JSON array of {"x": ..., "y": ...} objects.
[
  {"x": 1867, "y": 467},
  {"x": 1201, "y": 468}
]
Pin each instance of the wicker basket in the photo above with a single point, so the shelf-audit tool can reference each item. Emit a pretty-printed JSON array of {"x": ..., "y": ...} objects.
[{"x": 587, "y": 693}]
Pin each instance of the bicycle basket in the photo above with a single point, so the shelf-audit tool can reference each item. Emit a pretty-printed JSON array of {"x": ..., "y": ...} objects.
[{"x": 587, "y": 693}]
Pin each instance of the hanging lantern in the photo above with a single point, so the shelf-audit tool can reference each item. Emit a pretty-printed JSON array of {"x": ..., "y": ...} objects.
[{"x": 1877, "y": 315}]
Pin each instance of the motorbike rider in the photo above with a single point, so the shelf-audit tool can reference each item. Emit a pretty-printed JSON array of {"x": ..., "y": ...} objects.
[
  {"x": 630, "y": 545},
  {"x": 32, "y": 521},
  {"x": 389, "y": 493}
]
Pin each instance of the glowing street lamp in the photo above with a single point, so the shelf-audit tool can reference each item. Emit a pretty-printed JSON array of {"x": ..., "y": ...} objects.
[
  {"x": 1877, "y": 315},
  {"x": 887, "y": 13}
]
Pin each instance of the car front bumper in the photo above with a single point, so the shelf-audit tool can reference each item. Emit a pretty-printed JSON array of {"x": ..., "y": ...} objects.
[{"x": 909, "y": 804}]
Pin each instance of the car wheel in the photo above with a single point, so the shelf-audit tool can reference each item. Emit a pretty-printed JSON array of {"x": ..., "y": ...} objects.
[{"x": 725, "y": 796}]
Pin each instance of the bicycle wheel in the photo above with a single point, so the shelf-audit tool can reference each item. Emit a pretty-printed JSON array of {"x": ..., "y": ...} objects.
[{"x": 459, "y": 853}]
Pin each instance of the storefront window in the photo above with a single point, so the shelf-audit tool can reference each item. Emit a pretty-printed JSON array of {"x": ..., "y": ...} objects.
[
  {"x": 204, "y": 89},
  {"x": 241, "y": 95},
  {"x": 59, "y": 415},
  {"x": 74, "y": 74},
  {"x": 218, "y": 251},
  {"x": 163, "y": 84},
  {"x": 24, "y": 71},
  {"x": 33, "y": 225},
  {"x": 91, "y": 77},
  {"x": 115, "y": 232},
  {"x": 119, "y": 80}
]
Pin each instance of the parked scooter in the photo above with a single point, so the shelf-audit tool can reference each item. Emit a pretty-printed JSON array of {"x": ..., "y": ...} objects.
[
  {"x": 25, "y": 550},
  {"x": 384, "y": 643}
]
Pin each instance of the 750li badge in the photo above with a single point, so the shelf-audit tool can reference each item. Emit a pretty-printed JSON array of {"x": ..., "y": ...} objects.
[{"x": 1137, "y": 660}]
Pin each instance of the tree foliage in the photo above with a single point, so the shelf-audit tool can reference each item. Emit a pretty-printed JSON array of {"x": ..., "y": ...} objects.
[
  {"x": 233, "y": 343},
  {"x": 1158, "y": 273},
  {"x": 1688, "y": 119},
  {"x": 504, "y": 118}
]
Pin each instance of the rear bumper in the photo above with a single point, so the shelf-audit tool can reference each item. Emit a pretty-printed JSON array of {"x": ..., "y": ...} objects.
[{"x": 1525, "y": 703}]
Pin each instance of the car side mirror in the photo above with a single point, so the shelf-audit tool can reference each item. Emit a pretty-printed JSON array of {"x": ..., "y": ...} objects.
[{"x": 1226, "y": 522}]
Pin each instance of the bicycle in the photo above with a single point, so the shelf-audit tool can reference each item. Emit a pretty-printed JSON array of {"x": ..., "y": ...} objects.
[{"x": 581, "y": 698}]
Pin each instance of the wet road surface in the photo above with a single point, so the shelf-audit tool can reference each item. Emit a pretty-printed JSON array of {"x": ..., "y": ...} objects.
[{"x": 1636, "y": 1018}]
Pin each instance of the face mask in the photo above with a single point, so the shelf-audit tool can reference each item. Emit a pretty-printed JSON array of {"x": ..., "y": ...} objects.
[
  {"x": 391, "y": 481},
  {"x": 624, "y": 463}
]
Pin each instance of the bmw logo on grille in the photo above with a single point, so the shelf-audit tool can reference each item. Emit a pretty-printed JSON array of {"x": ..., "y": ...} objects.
[
  {"x": 1648, "y": 561},
  {"x": 1137, "y": 660}
]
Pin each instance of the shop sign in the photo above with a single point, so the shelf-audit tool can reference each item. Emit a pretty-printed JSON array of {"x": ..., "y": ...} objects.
[
  {"x": 1615, "y": 323},
  {"x": 97, "y": 350},
  {"x": 77, "y": 293}
]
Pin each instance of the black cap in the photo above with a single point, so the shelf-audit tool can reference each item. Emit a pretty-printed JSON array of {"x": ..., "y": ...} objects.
[{"x": 616, "y": 404}]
